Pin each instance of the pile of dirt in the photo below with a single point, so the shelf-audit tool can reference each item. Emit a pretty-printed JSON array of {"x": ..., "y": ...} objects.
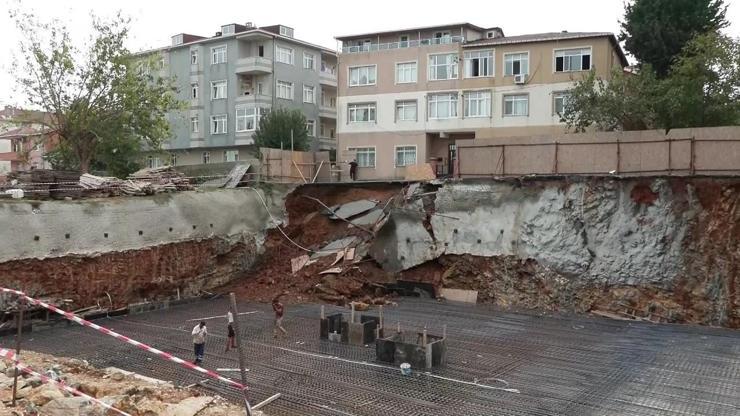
[
  {"x": 310, "y": 227},
  {"x": 129, "y": 392}
]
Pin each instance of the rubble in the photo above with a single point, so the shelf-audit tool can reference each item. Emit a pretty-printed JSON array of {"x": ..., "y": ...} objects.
[
  {"x": 351, "y": 209},
  {"x": 126, "y": 391}
]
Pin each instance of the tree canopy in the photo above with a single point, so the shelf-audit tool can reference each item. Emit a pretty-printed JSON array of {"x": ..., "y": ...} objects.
[
  {"x": 656, "y": 31},
  {"x": 106, "y": 104},
  {"x": 702, "y": 90},
  {"x": 275, "y": 130}
]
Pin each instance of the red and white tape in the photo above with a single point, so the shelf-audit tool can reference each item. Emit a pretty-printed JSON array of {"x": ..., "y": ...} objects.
[
  {"x": 167, "y": 356},
  {"x": 10, "y": 355}
]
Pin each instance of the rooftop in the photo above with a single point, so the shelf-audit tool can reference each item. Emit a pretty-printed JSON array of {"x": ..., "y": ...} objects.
[{"x": 411, "y": 29}]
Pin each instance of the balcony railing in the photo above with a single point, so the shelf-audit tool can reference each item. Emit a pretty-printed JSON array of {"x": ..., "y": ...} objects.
[{"x": 372, "y": 47}]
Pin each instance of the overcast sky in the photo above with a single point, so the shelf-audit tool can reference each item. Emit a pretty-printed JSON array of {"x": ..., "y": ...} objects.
[{"x": 318, "y": 21}]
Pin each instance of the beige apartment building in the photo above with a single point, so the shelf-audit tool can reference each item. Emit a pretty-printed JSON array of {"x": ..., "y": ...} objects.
[{"x": 405, "y": 96}]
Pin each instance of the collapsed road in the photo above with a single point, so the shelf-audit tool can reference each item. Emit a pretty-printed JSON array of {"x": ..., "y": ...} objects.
[{"x": 501, "y": 363}]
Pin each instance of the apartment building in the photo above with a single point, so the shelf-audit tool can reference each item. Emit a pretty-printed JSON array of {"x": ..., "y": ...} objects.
[
  {"x": 232, "y": 79},
  {"x": 405, "y": 96}
]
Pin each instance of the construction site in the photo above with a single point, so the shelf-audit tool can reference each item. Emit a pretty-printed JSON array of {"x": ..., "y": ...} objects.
[{"x": 539, "y": 295}]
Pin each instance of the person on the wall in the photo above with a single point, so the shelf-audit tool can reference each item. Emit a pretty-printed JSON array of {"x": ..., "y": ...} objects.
[
  {"x": 199, "y": 342},
  {"x": 279, "y": 311},
  {"x": 231, "y": 335},
  {"x": 353, "y": 170}
]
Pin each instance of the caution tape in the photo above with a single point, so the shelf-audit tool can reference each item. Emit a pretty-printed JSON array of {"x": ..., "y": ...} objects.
[
  {"x": 10, "y": 355},
  {"x": 167, "y": 356}
]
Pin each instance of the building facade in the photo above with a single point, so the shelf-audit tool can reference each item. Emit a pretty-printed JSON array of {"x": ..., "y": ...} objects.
[
  {"x": 234, "y": 78},
  {"x": 405, "y": 96}
]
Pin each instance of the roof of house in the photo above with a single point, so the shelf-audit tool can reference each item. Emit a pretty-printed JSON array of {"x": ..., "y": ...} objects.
[
  {"x": 23, "y": 131},
  {"x": 547, "y": 37},
  {"x": 19, "y": 115},
  {"x": 385, "y": 32}
]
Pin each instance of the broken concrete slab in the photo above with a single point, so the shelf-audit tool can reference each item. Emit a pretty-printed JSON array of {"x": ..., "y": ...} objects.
[
  {"x": 188, "y": 407},
  {"x": 403, "y": 242},
  {"x": 298, "y": 263},
  {"x": 333, "y": 270},
  {"x": 459, "y": 295},
  {"x": 353, "y": 208},
  {"x": 334, "y": 247},
  {"x": 411, "y": 190},
  {"x": 235, "y": 176},
  {"x": 371, "y": 218}
]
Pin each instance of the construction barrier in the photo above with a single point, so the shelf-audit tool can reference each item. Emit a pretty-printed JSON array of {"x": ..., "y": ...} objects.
[
  {"x": 167, "y": 356},
  {"x": 10, "y": 355}
]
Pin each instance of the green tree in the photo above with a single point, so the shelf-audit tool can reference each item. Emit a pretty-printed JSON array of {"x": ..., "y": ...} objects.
[
  {"x": 656, "y": 31},
  {"x": 275, "y": 130},
  {"x": 106, "y": 104},
  {"x": 702, "y": 90}
]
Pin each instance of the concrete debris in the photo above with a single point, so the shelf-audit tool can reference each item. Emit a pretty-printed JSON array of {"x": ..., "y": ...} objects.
[
  {"x": 163, "y": 178},
  {"x": 340, "y": 256},
  {"x": 353, "y": 208},
  {"x": 411, "y": 190},
  {"x": 334, "y": 247},
  {"x": 371, "y": 218},
  {"x": 236, "y": 175},
  {"x": 333, "y": 270},
  {"x": 297, "y": 263}
]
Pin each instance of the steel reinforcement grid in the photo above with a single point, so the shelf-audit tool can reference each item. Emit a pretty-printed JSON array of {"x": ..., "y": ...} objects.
[{"x": 561, "y": 365}]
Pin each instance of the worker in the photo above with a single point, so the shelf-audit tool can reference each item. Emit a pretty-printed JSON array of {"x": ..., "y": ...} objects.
[
  {"x": 353, "y": 170},
  {"x": 231, "y": 335},
  {"x": 279, "y": 311},
  {"x": 199, "y": 341}
]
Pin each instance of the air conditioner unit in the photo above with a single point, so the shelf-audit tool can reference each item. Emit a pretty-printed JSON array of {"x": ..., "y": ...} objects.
[{"x": 520, "y": 79}]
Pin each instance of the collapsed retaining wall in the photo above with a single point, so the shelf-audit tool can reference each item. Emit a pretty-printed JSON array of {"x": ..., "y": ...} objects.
[
  {"x": 675, "y": 241},
  {"x": 134, "y": 249}
]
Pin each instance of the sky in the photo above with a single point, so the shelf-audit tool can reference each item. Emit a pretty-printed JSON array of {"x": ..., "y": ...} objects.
[{"x": 318, "y": 21}]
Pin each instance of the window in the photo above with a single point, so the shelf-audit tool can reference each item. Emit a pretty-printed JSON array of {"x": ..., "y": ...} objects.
[
  {"x": 231, "y": 155},
  {"x": 17, "y": 146},
  {"x": 442, "y": 37},
  {"x": 443, "y": 105},
  {"x": 194, "y": 124},
  {"x": 365, "y": 156},
  {"x": 559, "y": 100},
  {"x": 218, "y": 124},
  {"x": 308, "y": 61},
  {"x": 227, "y": 30},
  {"x": 405, "y": 72},
  {"x": 261, "y": 51},
  {"x": 286, "y": 31},
  {"x": 403, "y": 41},
  {"x": 516, "y": 63},
  {"x": 206, "y": 158},
  {"x": 153, "y": 162},
  {"x": 362, "y": 75},
  {"x": 218, "y": 55},
  {"x": 308, "y": 94},
  {"x": 260, "y": 88},
  {"x": 405, "y": 155},
  {"x": 177, "y": 40},
  {"x": 194, "y": 91},
  {"x": 248, "y": 118},
  {"x": 218, "y": 90},
  {"x": 478, "y": 64},
  {"x": 359, "y": 113},
  {"x": 516, "y": 105},
  {"x": 173, "y": 159},
  {"x": 573, "y": 60},
  {"x": 285, "y": 55},
  {"x": 194, "y": 57},
  {"x": 406, "y": 110},
  {"x": 285, "y": 90},
  {"x": 160, "y": 63},
  {"x": 477, "y": 103},
  {"x": 443, "y": 67},
  {"x": 311, "y": 128}
]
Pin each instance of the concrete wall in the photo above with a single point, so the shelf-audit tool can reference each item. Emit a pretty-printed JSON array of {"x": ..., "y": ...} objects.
[
  {"x": 715, "y": 150},
  {"x": 42, "y": 229}
]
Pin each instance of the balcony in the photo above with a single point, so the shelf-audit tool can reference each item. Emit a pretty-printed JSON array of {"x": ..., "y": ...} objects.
[
  {"x": 373, "y": 47},
  {"x": 327, "y": 111},
  {"x": 253, "y": 65},
  {"x": 328, "y": 78},
  {"x": 257, "y": 99}
]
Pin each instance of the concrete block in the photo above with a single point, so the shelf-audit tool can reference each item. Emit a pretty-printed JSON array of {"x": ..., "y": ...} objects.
[
  {"x": 356, "y": 333},
  {"x": 460, "y": 295}
]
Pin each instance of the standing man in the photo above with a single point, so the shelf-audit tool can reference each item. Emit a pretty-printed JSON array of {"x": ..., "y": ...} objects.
[
  {"x": 279, "y": 310},
  {"x": 231, "y": 340},
  {"x": 353, "y": 170},
  {"x": 199, "y": 342}
]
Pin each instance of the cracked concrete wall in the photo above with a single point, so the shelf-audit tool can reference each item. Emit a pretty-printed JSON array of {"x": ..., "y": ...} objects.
[
  {"x": 596, "y": 230},
  {"x": 42, "y": 229}
]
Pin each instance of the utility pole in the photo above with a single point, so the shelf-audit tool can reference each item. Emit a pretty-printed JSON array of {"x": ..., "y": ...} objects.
[
  {"x": 18, "y": 345},
  {"x": 240, "y": 351}
]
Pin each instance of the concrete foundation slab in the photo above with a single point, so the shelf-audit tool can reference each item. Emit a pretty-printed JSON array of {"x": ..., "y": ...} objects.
[
  {"x": 459, "y": 295},
  {"x": 353, "y": 208}
]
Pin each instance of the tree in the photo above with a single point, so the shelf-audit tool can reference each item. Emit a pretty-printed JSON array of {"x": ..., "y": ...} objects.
[
  {"x": 656, "y": 31},
  {"x": 275, "y": 130},
  {"x": 103, "y": 101},
  {"x": 702, "y": 90}
]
